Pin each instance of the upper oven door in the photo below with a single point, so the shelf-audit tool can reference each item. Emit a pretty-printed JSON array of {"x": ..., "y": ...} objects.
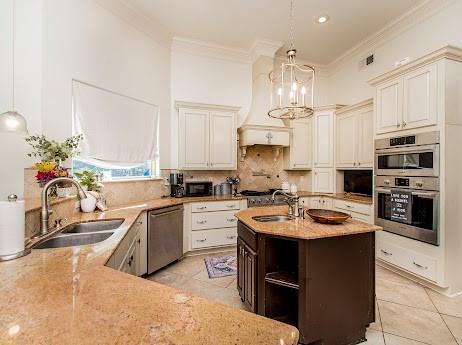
[
  {"x": 408, "y": 161},
  {"x": 425, "y": 215}
]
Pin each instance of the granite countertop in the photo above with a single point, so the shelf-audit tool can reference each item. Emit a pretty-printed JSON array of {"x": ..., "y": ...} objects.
[
  {"x": 68, "y": 296},
  {"x": 305, "y": 229},
  {"x": 362, "y": 199}
]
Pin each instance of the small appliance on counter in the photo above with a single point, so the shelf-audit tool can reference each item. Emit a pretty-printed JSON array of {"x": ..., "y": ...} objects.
[
  {"x": 234, "y": 181},
  {"x": 199, "y": 188},
  {"x": 176, "y": 185}
]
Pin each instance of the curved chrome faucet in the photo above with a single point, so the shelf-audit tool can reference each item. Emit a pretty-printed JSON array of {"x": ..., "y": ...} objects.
[
  {"x": 45, "y": 213},
  {"x": 294, "y": 209}
]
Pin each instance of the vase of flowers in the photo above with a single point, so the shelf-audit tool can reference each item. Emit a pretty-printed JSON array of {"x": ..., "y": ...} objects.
[
  {"x": 89, "y": 182},
  {"x": 52, "y": 154}
]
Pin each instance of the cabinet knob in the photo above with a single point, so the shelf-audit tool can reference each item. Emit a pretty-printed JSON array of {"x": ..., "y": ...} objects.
[
  {"x": 404, "y": 124},
  {"x": 398, "y": 125}
]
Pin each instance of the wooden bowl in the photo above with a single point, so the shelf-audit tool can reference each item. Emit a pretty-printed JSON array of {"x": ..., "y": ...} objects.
[{"x": 327, "y": 216}]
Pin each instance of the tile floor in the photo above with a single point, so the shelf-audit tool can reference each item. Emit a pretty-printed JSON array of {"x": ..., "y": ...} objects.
[{"x": 407, "y": 313}]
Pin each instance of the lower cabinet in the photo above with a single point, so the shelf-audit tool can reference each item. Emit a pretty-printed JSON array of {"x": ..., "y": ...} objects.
[
  {"x": 131, "y": 262},
  {"x": 321, "y": 202},
  {"x": 247, "y": 273}
]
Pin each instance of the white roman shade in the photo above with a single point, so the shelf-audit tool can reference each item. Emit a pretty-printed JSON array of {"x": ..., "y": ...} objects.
[{"x": 117, "y": 129}]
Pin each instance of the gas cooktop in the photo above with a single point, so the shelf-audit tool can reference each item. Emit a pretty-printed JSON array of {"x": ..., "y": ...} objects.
[{"x": 262, "y": 198}]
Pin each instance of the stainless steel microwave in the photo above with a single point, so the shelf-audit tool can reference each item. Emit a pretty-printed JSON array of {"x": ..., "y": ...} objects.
[
  {"x": 198, "y": 188},
  {"x": 413, "y": 155}
]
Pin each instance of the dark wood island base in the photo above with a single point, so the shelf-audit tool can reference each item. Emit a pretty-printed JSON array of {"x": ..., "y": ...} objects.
[{"x": 324, "y": 286}]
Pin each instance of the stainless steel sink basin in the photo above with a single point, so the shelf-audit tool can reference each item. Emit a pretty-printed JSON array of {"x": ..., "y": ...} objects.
[
  {"x": 82, "y": 233},
  {"x": 101, "y": 225},
  {"x": 276, "y": 218},
  {"x": 63, "y": 240}
]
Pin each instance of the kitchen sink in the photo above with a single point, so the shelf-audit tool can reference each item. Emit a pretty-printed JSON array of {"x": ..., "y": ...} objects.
[
  {"x": 276, "y": 218},
  {"x": 82, "y": 233},
  {"x": 63, "y": 240},
  {"x": 101, "y": 225}
]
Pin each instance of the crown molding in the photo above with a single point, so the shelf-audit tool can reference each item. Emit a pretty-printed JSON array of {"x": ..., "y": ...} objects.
[
  {"x": 409, "y": 19},
  {"x": 126, "y": 12},
  {"x": 195, "y": 105},
  {"x": 447, "y": 52},
  {"x": 368, "y": 103},
  {"x": 189, "y": 46},
  {"x": 262, "y": 47}
]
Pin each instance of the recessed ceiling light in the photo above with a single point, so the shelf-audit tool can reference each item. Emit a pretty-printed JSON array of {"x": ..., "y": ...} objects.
[{"x": 322, "y": 19}]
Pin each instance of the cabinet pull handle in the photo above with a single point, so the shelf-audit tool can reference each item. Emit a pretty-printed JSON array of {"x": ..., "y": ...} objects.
[
  {"x": 385, "y": 252},
  {"x": 359, "y": 164},
  {"x": 349, "y": 206},
  {"x": 201, "y": 222},
  {"x": 230, "y": 206},
  {"x": 404, "y": 124},
  {"x": 139, "y": 241},
  {"x": 231, "y": 220},
  {"x": 203, "y": 240},
  {"x": 202, "y": 207},
  {"x": 230, "y": 237},
  {"x": 139, "y": 222},
  {"x": 420, "y": 266}
]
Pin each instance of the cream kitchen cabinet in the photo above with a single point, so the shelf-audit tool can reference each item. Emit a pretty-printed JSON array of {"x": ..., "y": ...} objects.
[
  {"x": 324, "y": 139},
  {"x": 322, "y": 202},
  {"x": 323, "y": 180},
  {"x": 406, "y": 101},
  {"x": 354, "y": 136},
  {"x": 298, "y": 156},
  {"x": 207, "y": 137}
]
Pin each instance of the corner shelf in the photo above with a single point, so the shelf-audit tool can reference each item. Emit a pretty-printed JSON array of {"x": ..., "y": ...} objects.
[{"x": 286, "y": 279}]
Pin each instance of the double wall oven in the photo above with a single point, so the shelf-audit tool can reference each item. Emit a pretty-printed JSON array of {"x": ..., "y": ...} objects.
[{"x": 407, "y": 186}]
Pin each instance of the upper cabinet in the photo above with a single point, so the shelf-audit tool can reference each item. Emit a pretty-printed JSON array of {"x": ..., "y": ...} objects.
[
  {"x": 207, "y": 137},
  {"x": 324, "y": 139},
  {"x": 298, "y": 156},
  {"x": 354, "y": 136}
]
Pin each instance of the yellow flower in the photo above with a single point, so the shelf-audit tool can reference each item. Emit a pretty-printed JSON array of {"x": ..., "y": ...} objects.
[{"x": 45, "y": 166}]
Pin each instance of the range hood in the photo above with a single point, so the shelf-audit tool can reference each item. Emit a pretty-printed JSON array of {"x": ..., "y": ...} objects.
[{"x": 258, "y": 128}]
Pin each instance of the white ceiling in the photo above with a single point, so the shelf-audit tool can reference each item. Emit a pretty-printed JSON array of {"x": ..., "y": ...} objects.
[{"x": 236, "y": 23}]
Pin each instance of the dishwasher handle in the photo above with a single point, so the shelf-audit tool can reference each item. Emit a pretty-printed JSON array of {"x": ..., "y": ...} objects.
[{"x": 155, "y": 215}]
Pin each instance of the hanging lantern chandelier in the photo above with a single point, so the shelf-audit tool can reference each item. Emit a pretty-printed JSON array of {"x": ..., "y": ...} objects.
[{"x": 292, "y": 85}]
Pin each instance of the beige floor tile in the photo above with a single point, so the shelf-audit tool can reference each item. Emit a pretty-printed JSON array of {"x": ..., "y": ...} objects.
[
  {"x": 233, "y": 285},
  {"x": 386, "y": 274},
  {"x": 455, "y": 326},
  {"x": 377, "y": 325},
  {"x": 416, "y": 324},
  {"x": 446, "y": 305},
  {"x": 374, "y": 338},
  {"x": 412, "y": 295},
  {"x": 168, "y": 278},
  {"x": 188, "y": 266},
  {"x": 391, "y": 339},
  {"x": 223, "y": 281}
]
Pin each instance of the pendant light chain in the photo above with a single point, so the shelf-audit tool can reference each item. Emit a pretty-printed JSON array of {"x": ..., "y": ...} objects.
[
  {"x": 292, "y": 26},
  {"x": 12, "y": 53}
]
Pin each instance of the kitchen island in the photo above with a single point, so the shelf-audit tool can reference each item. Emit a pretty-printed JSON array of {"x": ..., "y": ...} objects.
[{"x": 317, "y": 277}]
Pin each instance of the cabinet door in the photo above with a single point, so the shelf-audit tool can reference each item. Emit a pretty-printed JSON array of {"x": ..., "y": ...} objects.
[
  {"x": 420, "y": 98},
  {"x": 324, "y": 140},
  {"x": 250, "y": 279},
  {"x": 365, "y": 142},
  {"x": 323, "y": 180},
  {"x": 194, "y": 139},
  {"x": 223, "y": 141},
  {"x": 300, "y": 146},
  {"x": 240, "y": 268},
  {"x": 389, "y": 106},
  {"x": 347, "y": 140}
]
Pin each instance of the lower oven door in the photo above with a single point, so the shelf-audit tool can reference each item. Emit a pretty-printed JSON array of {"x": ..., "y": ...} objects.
[{"x": 425, "y": 211}]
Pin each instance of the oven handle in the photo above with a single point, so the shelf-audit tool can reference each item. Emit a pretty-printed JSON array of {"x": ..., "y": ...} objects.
[
  {"x": 414, "y": 149},
  {"x": 419, "y": 193}
]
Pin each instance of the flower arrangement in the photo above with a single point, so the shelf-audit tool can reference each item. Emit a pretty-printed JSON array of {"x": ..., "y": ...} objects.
[
  {"x": 87, "y": 179},
  {"x": 52, "y": 154},
  {"x": 52, "y": 151}
]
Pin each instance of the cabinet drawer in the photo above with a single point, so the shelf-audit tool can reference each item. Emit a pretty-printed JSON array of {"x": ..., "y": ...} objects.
[
  {"x": 213, "y": 220},
  {"x": 419, "y": 264},
  {"x": 213, "y": 206},
  {"x": 353, "y": 206},
  {"x": 422, "y": 265},
  {"x": 213, "y": 238}
]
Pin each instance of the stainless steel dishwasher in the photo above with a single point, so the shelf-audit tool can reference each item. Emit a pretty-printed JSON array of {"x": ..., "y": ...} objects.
[{"x": 165, "y": 237}]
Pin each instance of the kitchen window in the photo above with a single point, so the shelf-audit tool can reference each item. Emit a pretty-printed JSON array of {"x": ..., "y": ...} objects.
[{"x": 120, "y": 133}]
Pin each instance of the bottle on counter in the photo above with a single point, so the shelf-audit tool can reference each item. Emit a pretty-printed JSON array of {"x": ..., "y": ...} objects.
[
  {"x": 293, "y": 188},
  {"x": 285, "y": 186}
]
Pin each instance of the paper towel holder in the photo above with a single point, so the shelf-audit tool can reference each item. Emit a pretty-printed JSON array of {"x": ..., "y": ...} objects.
[{"x": 14, "y": 198}]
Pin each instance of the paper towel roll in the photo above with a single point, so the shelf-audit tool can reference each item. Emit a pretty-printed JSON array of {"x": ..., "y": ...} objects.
[{"x": 12, "y": 227}]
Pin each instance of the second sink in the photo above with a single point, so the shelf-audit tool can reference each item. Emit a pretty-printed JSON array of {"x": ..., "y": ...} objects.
[
  {"x": 276, "y": 218},
  {"x": 61, "y": 241},
  {"x": 97, "y": 226}
]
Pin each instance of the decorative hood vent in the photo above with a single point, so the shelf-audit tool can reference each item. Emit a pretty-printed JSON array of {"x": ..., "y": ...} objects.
[{"x": 258, "y": 128}]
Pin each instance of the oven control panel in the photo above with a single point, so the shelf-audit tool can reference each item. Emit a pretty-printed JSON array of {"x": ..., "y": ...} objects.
[
  {"x": 409, "y": 140},
  {"x": 401, "y": 182},
  {"x": 422, "y": 183}
]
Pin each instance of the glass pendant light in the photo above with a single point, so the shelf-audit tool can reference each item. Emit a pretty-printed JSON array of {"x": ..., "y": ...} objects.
[
  {"x": 292, "y": 85},
  {"x": 11, "y": 121}
]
